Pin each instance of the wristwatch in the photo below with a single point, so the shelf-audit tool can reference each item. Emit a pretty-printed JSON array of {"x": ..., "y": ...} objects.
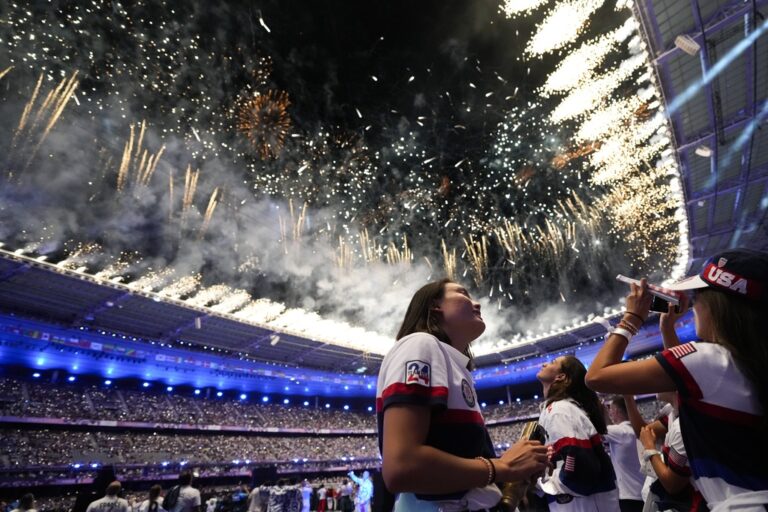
[{"x": 647, "y": 454}]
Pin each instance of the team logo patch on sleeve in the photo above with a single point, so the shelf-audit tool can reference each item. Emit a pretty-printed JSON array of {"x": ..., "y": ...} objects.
[
  {"x": 466, "y": 392},
  {"x": 418, "y": 372},
  {"x": 570, "y": 463},
  {"x": 681, "y": 351}
]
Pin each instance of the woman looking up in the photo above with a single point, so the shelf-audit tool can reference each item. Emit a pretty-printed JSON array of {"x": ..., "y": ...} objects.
[
  {"x": 583, "y": 478},
  {"x": 435, "y": 448}
]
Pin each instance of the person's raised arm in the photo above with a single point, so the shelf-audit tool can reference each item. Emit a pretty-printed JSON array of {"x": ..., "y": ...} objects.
[
  {"x": 671, "y": 481},
  {"x": 408, "y": 465},
  {"x": 606, "y": 375},
  {"x": 637, "y": 420}
]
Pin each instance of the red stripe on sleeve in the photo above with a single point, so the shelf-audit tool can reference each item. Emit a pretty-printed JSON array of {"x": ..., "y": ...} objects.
[{"x": 561, "y": 443}]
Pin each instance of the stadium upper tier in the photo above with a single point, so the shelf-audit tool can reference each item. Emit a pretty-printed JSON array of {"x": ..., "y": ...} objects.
[{"x": 134, "y": 333}]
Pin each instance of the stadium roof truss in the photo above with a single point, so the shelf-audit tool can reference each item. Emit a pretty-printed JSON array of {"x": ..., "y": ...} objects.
[
  {"x": 718, "y": 95},
  {"x": 72, "y": 299}
]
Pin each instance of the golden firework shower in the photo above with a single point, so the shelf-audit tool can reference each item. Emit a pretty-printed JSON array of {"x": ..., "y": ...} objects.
[{"x": 264, "y": 120}]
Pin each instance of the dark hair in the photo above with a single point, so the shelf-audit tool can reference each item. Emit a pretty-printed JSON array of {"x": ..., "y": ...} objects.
[
  {"x": 154, "y": 493},
  {"x": 738, "y": 326},
  {"x": 420, "y": 318},
  {"x": 618, "y": 401},
  {"x": 27, "y": 501},
  {"x": 575, "y": 388},
  {"x": 114, "y": 488},
  {"x": 185, "y": 478}
]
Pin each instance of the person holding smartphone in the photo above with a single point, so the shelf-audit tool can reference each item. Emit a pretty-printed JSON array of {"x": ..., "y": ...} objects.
[{"x": 722, "y": 381}]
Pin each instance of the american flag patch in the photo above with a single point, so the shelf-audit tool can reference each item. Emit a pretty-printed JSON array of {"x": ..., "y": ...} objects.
[
  {"x": 570, "y": 463},
  {"x": 681, "y": 351}
]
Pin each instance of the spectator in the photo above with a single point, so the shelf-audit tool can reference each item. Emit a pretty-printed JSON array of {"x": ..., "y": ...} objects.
[
  {"x": 583, "y": 478},
  {"x": 189, "y": 497},
  {"x": 111, "y": 502},
  {"x": 154, "y": 502},
  {"x": 722, "y": 381},
  {"x": 364, "y": 492},
  {"x": 423, "y": 383},
  {"x": 624, "y": 454},
  {"x": 26, "y": 503}
]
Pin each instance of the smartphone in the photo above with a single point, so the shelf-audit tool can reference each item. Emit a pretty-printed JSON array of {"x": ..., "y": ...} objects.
[{"x": 662, "y": 306}]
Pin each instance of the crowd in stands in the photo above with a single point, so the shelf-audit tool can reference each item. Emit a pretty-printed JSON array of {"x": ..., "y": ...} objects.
[
  {"x": 33, "y": 399},
  {"x": 24, "y": 448}
]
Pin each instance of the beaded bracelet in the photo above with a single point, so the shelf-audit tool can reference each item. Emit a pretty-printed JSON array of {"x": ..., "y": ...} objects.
[
  {"x": 628, "y": 326},
  {"x": 491, "y": 470}
]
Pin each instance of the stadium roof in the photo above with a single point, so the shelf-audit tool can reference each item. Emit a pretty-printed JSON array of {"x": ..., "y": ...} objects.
[
  {"x": 717, "y": 99},
  {"x": 716, "y": 96}
]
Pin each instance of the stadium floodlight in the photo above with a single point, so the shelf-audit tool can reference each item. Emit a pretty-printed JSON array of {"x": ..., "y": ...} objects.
[
  {"x": 327, "y": 406},
  {"x": 687, "y": 44},
  {"x": 146, "y": 385},
  {"x": 286, "y": 401},
  {"x": 169, "y": 389},
  {"x": 219, "y": 394},
  {"x": 197, "y": 391},
  {"x": 346, "y": 407},
  {"x": 306, "y": 404},
  {"x": 265, "y": 399},
  {"x": 107, "y": 382},
  {"x": 71, "y": 378},
  {"x": 370, "y": 408},
  {"x": 36, "y": 375},
  {"x": 243, "y": 396}
]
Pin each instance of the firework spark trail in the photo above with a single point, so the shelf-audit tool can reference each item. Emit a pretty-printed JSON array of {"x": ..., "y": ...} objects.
[
  {"x": 152, "y": 280},
  {"x": 209, "y": 295},
  {"x": 344, "y": 255},
  {"x": 563, "y": 24},
  {"x": 182, "y": 287},
  {"x": 137, "y": 162},
  {"x": 212, "y": 202},
  {"x": 477, "y": 251},
  {"x": 190, "y": 186},
  {"x": 30, "y": 133},
  {"x": 399, "y": 255},
  {"x": 260, "y": 311},
  {"x": 579, "y": 66},
  {"x": 5, "y": 72},
  {"x": 232, "y": 302},
  {"x": 449, "y": 260},
  {"x": 516, "y": 7}
]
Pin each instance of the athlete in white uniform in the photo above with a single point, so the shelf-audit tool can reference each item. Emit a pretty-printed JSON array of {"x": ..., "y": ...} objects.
[
  {"x": 583, "y": 479},
  {"x": 625, "y": 448},
  {"x": 723, "y": 384},
  {"x": 435, "y": 449}
]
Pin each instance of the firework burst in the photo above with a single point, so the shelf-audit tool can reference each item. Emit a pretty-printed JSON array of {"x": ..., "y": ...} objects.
[{"x": 264, "y": 120}]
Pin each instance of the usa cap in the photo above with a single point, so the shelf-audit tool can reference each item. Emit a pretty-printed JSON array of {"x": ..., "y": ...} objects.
[{"x": 741, "y": 272}]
